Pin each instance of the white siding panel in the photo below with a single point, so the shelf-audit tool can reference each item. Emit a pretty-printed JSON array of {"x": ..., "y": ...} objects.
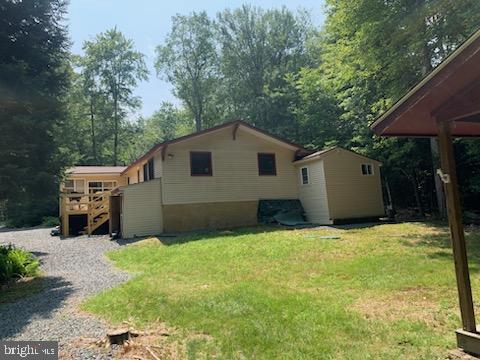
[
  {"x": 314, "y": 194},
  {"x": 142, "y": 209}
]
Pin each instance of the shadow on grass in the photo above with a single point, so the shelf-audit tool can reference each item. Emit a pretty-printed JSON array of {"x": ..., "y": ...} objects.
[
  {"x": 185, "y": 237},
  {"x": 442, "y": 242},
  {"x": 16, "y": 315}
]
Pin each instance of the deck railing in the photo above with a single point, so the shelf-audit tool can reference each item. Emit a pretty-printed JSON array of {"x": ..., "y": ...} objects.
[{"x": 96, "y": 206}]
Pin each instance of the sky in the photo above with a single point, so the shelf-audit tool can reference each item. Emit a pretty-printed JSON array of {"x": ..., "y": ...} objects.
[{"x": 147, "y": 22}]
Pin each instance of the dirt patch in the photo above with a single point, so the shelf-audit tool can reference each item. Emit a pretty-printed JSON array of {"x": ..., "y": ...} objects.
[
  {"x": 153, "y": 344},
  {"x": 415, "y": 304}
]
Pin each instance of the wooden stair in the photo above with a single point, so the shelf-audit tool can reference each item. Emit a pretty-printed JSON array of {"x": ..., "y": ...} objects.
[{"x": 98, "y": 212}]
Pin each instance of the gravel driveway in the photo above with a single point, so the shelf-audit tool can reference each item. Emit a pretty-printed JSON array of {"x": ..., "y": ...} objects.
[{"x": 73, "y": 269}]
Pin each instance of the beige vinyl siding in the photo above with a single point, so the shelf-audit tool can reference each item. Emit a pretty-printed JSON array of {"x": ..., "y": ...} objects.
[
  {"x": 351, "y": 194},
  {"x": 157, "y": 168},
  {"x": 158, "y": 165},
  {"x": 132, "y": 174},
  {"x": 313, "y": 195},
  {"x": 121, "y": 180},
  {"x": 142, "y": 209},
  {"x": 235, "y": 170}
]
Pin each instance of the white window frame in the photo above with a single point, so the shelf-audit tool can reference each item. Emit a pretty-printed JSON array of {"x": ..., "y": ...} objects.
[
  {"x": 301, "y": 175},
  {"x": 103, "y": 185},
  {"x": 369, "y": 166}
]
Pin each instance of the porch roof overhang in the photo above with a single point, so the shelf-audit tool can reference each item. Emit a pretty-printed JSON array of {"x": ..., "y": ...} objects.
[
  {"x": 449, "y": 93},
  {"x": 446, "y": 104}
]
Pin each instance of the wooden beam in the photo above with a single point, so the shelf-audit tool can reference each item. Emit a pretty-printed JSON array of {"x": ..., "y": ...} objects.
[
  {"x": 462, "y": 105},
  {"x": 468, "y": 341},
  {"x": 235, "y": 129},
  {"x": 449, "y": 177}
]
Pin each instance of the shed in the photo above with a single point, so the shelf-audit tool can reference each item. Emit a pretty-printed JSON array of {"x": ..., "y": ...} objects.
[
  {"x": 338, "y": 185},
  {"x": 446, "y": 104}
]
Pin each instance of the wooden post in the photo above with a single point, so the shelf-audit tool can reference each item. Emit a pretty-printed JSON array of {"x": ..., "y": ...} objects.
[
  {"x": 64, "y": 216},
  {"x": 449, "y": 177}
]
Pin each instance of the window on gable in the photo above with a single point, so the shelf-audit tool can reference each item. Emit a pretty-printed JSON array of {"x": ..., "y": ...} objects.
[
  {"x": 367, "y": 169},
  {"x": 266, "y": 164},
  {"x": 304, "y": 172},
  {"x": 200, "y": 163},
  {"x": 151, "y": 172}
]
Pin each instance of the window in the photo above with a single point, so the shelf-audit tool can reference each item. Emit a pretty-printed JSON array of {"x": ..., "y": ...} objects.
[
  {"x": 304, "y": 172},
  {"x": 367, "y": 169},
  {"x": 138, "y": 176},
  {"x": 266, "y": 164},
  {"x": 101, "y": 186},
  {"x": 74, "y": 186},
  {"x": 151, "y": 172},
  {"x": 69, "y": 186},
  {"x": 200, "y": 163},
  {"x": 128, "y": 180},
  {"x": 145, "y": 172}
]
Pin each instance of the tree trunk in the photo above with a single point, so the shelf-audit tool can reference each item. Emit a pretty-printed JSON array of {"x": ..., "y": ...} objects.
[
  {"x": 198, "y": 122},
  {"x": 115, "y": 135},
  {"x": 442, "y": 210},
  {"x": 418, "y": 199},
  {"x": 426, "y": 69},
  {"x": 92, "y": 123}
]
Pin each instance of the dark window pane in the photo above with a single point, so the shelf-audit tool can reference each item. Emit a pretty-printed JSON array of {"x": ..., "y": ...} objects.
[
  {"x": 151, "y": 172},
  {"x": 304, "y": 176},
  {"x": 266, "y": 164},
  {"x": 145, "y": 172},
  {"x": 201, "y": 163},
  {"x": 367, "y": 169}
]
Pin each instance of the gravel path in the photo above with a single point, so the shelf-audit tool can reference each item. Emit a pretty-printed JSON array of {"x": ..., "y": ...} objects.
[{"x": 73, "y": 269}]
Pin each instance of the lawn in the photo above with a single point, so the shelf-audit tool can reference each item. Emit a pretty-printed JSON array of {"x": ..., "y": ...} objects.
[{"x": 385, "y": 291}]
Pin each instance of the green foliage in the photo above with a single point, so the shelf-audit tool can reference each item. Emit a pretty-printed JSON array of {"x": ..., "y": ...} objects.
[
  {"x": 167, "y": 123},
  {"x": 50, "y": 221},
  {"x": 372, "y": 52},
  {"x": 188, "y": 60},
  {"x": 259, "y": 50},
  {"x": 33, "y": 78},
  {"x": 111, "y": 69},
  {"x": 16, "y": 263}
]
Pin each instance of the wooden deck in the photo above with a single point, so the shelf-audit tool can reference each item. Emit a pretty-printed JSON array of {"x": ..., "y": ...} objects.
[{"x": 96, "y": 206}]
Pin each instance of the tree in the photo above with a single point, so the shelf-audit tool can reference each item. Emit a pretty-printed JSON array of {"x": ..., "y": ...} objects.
[
  {"x": 33, "y": 78},
  {"x": 112, "y": 66},
  {"x": 167, "y": 123},
  {"x": 259, "y": 50},
  {"x": 188, "y": 61},
  {"x": 373, "y": 52}
]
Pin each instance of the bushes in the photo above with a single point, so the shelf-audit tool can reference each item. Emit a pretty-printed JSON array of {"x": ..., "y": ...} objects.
[
  {"x": 16, "y": 263},
  {"x": 50, "y": 221}
]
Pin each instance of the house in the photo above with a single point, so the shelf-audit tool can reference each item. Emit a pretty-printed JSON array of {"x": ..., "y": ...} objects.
[
  {"x": 215, "y": 178},
  {"x": 85, "y": 197}
]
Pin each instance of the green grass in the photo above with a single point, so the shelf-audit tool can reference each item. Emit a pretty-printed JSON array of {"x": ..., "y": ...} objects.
[{"x": 385, "y": 291}]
